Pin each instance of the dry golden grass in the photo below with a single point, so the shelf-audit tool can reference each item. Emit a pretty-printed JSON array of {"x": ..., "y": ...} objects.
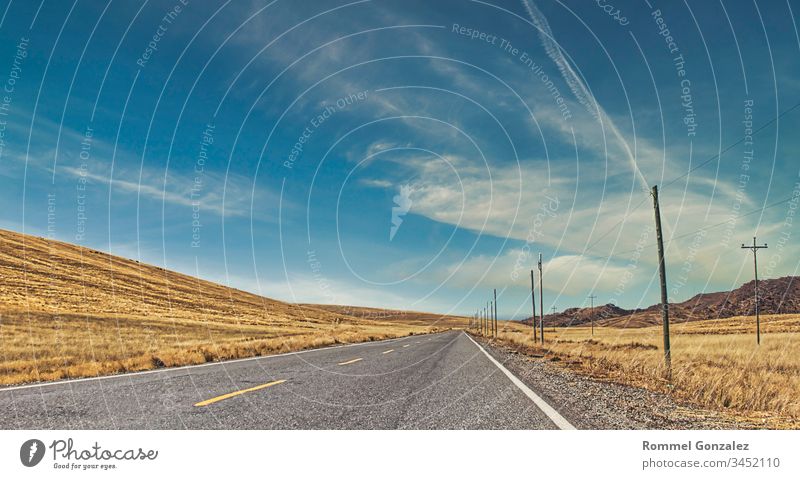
[
  {"x": 43, "y": 347},
  {"x": 716, "y": 363},
  {"x": 68, "y": 312},
  {"x": 393, "y": 315}
]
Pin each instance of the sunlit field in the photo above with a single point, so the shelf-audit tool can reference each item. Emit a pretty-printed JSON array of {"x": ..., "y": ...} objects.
[{"x": 715, "y": 364}]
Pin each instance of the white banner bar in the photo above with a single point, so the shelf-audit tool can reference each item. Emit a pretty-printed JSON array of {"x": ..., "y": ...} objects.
[{"x": 371, "y": 454}]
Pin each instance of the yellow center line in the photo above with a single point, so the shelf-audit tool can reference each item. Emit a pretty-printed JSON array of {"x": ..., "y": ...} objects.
[
  {"x": 351, "y": 361},
  {"x": 387, "y": 352},
  {"x": 236, "y": 393}
]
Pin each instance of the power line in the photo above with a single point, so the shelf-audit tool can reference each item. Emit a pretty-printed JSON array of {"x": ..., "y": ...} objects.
[
  {"x": 716, "y": 225},
  {"x": 684, "y": 175},
  {"x": 610, "y": 230},
  {"x": 759, "y": 129}
]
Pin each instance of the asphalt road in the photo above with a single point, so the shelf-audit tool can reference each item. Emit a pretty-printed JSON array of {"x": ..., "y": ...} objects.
[{"x": 437, "y": 381}]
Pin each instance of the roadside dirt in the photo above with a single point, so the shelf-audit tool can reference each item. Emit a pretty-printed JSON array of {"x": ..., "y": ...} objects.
[{"x": 595, "y": 404}]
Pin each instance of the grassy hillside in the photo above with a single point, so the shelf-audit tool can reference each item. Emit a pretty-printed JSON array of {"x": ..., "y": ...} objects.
[
  {"x": 67, "y": 311},
  {"x": 393, "y": 315}
]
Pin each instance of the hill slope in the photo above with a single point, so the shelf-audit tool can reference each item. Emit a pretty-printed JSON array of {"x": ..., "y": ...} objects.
[
  {"x": 68, "y": 311},
  {"x": 393, "y": 315},
  {"x": 777, "y": 296}
]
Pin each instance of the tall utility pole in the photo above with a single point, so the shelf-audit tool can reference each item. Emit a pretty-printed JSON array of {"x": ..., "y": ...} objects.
[
  {"x": 491, "y": 321},
  {"x": 491, "y": 317},
  {"x": 541, "y": 302},
  {"x": 488, "y": 318},
  {"x": 553, "y": 309},
  {"x": 662, "y": 273},
  {"x": 533, "y": 302},
  {"x": 755, "y": 249},
  {"x": 495, "y": 313},
  {"x": 592, "y": 297}
]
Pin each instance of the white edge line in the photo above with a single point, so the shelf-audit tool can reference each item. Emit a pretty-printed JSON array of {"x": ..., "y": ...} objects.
[
  {"x": 551, "y": 413},
  {"x": 212, "y": 363}
]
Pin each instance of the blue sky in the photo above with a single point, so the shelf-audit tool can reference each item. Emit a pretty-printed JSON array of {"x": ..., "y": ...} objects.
[{"x": 409, "y": 154}]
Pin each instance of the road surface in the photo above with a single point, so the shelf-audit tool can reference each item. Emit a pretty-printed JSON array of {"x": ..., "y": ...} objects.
[{"x": 436, "y": 381}]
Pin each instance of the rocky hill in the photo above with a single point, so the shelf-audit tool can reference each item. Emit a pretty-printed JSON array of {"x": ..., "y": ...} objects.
[{"x": 777, "y": 296}]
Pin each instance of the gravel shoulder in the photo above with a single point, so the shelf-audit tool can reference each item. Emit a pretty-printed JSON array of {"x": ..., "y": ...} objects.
[{"x": 594, "y": 404}]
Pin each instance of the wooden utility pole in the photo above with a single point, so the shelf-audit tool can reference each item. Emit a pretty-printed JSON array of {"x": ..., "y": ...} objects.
[
  {"x": 488, "y": 318},
  {"x": 533, "y": 302},
  {"x": 755, "y": 249},
  {"x": 553, "y": 309},
  {"x": 495, "y": 313},
  {"x": 492, "y": 307},
  {"x": 591, "y": 310},
  {"x": 541, "y": 302},
  {"x": 662, "y": 273},
  {"x": 491, "y": 325}
]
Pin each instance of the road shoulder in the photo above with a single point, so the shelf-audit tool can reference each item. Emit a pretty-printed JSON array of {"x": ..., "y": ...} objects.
[{"x": 593, "y": 404}]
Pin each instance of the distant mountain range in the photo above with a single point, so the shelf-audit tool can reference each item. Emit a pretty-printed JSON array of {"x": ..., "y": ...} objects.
[{"x": 776, "y": 296}]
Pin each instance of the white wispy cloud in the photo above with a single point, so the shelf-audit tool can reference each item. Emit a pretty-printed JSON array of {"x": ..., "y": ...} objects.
[
  {"x": 566, "y": 274},
  {"x": 578, "y": 88},
  {"x": 216, "y": 193}
]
